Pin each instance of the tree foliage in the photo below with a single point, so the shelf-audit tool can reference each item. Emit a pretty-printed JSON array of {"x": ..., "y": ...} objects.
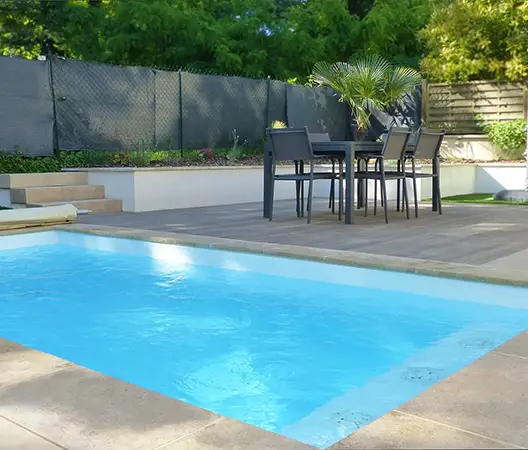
[
  {"x": 478, "y": 39},
  {"x": 459, "y": 39},
  {"x": 391, "y": 29},
  {"x": 281, "y": 38}
]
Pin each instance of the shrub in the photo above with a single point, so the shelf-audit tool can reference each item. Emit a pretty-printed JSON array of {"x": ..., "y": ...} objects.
[{"x": 509, "y": 138}]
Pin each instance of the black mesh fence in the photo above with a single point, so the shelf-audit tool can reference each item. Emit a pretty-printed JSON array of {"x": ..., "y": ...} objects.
[
  {"x": 319, "y": 110},
  {"x": 26, "y": 109},
  {"x": 103, "y": 107},
  {"x": 223, "y": 111},
  {"x": 106, "y": 107}
]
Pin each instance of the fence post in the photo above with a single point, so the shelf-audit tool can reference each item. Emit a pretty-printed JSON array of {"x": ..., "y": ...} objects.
[
  {"x": 425, "y": 102},
  {"x": 268, "y": 87},
  {"x": 49, "y": 60},
  {"x": 181, "y": 110}
]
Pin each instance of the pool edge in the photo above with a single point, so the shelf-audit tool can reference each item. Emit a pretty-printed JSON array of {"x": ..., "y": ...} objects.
[{"x": 433, "y": 268}]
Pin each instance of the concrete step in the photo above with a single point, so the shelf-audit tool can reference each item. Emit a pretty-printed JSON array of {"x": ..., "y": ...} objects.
[
  {"x": 26, "y": 180},
  {"x": 97, "y": 206},
  {"x": 46, "y": 194}
]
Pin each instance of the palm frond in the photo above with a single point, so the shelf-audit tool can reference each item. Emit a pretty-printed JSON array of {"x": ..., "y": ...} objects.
[
  {"x": 366, "y": 83},
  {"x": 401, "y": 81}
]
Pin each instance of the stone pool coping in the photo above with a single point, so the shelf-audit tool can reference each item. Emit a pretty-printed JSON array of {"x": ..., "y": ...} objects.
[
  {"x": 49, "y": 403},
  {"x": 487, "y": 274}
]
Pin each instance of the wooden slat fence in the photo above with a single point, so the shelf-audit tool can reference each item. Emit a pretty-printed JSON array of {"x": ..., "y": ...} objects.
[{"x": 457, "y": 107}]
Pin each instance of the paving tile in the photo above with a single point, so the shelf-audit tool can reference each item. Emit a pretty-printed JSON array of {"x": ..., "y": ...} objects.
[
  {"x": 517, "y": 346},
  {"x": 13, "y": 437},
  {"x": 82, "y": 409},
  {"x": 233, "y": 435},
  {"x": 397, "y": 430},
  {"x": 18, "y": 363},
  {"x": 488, "y": 397}
]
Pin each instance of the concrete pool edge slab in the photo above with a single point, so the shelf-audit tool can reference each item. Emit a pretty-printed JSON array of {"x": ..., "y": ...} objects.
[
  {"x": 487, "y": 274},
  {"x": 73, "y": 407}
]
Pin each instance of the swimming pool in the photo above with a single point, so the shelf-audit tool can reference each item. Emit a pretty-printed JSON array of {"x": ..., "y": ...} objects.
[{"x": 306, "y": 349}]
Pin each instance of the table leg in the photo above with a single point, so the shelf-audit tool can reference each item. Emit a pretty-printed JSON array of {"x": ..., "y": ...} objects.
[
  {"x": 349, "y": 193},
  {"x": 267, "y": 181},
  {"x": 360, "y": 187}
]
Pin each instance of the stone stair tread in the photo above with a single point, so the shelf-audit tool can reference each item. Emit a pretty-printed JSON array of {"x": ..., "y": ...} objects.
[
  {"x": 67, "y": 202},
  {"x": 48, "y": 179},
  {"x": 48, "y": 194},
  {"x": 61, "y": 187},
  {"x": 99, "y": 205}
]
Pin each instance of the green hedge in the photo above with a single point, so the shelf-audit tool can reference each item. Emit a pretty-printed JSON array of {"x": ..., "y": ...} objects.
[{"x": 17, "y": 163}]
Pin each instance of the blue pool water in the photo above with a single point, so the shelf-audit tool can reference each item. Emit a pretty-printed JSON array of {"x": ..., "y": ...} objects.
[{"x": 309, "y": 359}]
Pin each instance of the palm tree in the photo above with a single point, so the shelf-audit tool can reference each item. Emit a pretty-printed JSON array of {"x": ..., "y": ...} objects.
[{"x": 366, "y": 83}]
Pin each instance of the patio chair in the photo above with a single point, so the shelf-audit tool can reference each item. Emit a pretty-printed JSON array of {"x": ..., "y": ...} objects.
[
  {"x": 427, "y": 148},
  {"x": 291, "y": 144},
  {"x": 325, "y": 137},
  {"x": 394, "y": 148}
]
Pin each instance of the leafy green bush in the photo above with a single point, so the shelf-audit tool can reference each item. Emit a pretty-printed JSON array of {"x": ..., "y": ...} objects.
[
  {"x": 19, "y": 163},
  {"x": 509, "y": 137}
]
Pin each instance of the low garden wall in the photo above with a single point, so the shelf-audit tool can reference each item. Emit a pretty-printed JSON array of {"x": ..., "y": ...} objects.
[
  {"x": 476, "y": 147},
  {"x": 152, "y": 189}
]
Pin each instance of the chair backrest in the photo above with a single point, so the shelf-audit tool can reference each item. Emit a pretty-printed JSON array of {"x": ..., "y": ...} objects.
[
  {"x": 396, "y": 143},
  {"x": 429, "y": 143},
  {"x": 290, "y": 144},
  {"x": 319, "y": 137}
]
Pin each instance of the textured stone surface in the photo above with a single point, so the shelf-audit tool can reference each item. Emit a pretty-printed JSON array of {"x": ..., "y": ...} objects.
[
  {"x": 488, "y": 397},
  {"x": 397, "y": 430},
  {"x": 13, "y": 437},
  {"x": 233, "y": 435},
  {"x": 517, "y": 346},
  {"x": 18, "y": 363},
  {"x": 81, "y": 409}
]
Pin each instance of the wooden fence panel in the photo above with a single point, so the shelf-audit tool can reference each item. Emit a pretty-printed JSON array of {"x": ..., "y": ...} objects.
[{"x": 458, "y": 107}]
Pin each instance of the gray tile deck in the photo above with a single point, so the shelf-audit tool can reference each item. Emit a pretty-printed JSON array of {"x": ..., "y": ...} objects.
[{"x": 469, "y": 234}]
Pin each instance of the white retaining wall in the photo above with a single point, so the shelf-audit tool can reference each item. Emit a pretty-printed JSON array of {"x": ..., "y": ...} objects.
[{"x": 152, "y": 189}]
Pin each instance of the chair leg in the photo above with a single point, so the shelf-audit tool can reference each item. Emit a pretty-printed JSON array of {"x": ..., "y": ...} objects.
[
  {"x": 360, "y": 185},
  {"x": 439, "y": 199},
  {"x": 398, "y": 187},
  {"x": 331, "y": 200},
  {"x": 382, "y": 203},
  {"x": 301, "y": 166},
  {"x": 405, "y": 197},
  {"x": 384, "y": 190},
  {"x": 297, "y": 191},
  {"x": 415, "y": 189},
  {"x": 375, "y": 189},
  {"x": 309, "y": 202},
  {"x": 272, "y": 193},
  {"x": 366, "y": 196},
  {"x": 341, "y": 190}
]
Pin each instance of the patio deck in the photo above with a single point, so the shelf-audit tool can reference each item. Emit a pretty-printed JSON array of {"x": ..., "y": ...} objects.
[{"x": 468, "y": 234}]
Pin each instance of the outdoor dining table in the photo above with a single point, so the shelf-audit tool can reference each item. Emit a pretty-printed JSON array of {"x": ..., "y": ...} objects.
[{"x": 349, "y": 151}]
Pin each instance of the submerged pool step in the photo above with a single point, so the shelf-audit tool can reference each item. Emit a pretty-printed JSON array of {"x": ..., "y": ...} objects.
[
  {"x": 95, "y": 206},
  {"x": 46, "y": 194}
]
